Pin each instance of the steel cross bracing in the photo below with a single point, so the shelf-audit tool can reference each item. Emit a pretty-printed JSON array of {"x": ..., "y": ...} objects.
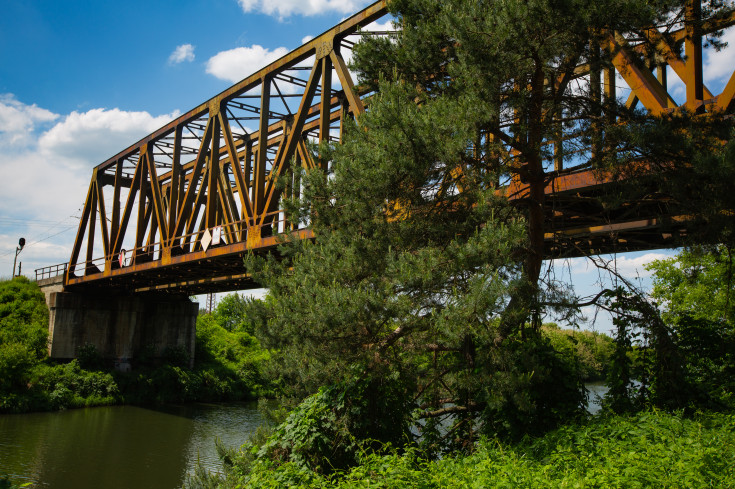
[{"x": 154, "y": 211}]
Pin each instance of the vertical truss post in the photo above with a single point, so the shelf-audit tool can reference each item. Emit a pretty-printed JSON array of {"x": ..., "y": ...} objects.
[
  {"x": 212, "y": 209},
  {"x": 609, "y": 101},
  {"x": 596, "y": 98},
  {"x": 693, "y": 50},
  {"x": 175, "y": 187},
  {"x": 88, "y": 267},
  {"x": 115, "y": 223},
  {"x": 262, "y": 153},
  {"x": 142, "y": 222},
  {"x": 325, "y": 107}
]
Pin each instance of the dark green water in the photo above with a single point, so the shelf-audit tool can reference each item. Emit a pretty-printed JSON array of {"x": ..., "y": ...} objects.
[{"x": 121, "y": 447}]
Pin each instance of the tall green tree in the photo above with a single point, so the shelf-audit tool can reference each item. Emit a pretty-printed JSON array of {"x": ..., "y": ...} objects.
[
  {"x": 696, "y": 290},
  {"x": 423, "y": 280}
]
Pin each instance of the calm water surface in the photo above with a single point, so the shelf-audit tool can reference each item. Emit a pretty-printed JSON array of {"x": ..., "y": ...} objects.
[
  {"x": 595, "y": 391},
  {"x": 121, "y": 447}
]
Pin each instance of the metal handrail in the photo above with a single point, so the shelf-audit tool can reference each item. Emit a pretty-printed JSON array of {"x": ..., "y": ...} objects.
[
  {"x": 156, "y": 247},
  {"x": 51, "y": 271}
]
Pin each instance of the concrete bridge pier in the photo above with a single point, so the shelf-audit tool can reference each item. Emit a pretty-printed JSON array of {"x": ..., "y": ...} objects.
[{"x": 119, "y": 326}]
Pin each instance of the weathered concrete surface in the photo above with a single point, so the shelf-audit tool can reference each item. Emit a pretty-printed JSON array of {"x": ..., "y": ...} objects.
[
  {"x": 120, "y": 327},
  {"x": 49, "y": 285}
]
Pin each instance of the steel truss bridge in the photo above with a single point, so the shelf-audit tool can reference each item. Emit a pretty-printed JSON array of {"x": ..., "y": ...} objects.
[{"x": 178, "y": 209}]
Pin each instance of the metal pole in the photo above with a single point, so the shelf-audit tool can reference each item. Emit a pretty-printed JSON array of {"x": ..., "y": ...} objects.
[{"x": 21, "y": 244}]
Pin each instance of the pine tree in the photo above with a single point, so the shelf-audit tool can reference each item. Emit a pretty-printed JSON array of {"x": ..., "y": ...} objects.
[{"x": 422, "y": 279}]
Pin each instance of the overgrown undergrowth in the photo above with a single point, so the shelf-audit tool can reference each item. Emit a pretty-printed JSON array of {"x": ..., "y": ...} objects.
[{"x": 649, "y": 449}]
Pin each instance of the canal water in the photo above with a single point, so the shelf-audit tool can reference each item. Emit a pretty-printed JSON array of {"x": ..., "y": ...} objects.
[{"x": 120, "y": 447}]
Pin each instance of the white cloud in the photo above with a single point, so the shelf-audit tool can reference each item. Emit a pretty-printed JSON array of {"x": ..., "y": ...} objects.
[
  {"x": 634, "y": 266},
  {"x": 285, "y": 8},
  {"x": 235, "y": 64},
  {"x": 89, "y": 138},
  {"x": 718, "y": 64},
  {"x": 46, "y": 174},
  {"x": 627, "y": 264},
  {"x": 306, "y": 39},
  {"x": 376, "y": 26},
  {"x": 17, "y": 120},
  {"x": 182, "y": 53}
]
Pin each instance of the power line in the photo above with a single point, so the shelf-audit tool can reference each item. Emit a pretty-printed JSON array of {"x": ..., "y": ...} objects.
[{"x": 41, "y": 240}]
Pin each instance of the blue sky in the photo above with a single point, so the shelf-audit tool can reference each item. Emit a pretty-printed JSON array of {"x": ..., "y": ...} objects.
[{"x": 82, "y": 80}]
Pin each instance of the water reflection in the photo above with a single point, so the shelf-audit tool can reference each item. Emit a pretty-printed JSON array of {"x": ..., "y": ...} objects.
[
  {"x": 119, "y": 447},
  {"x": 596, "y": 391}
]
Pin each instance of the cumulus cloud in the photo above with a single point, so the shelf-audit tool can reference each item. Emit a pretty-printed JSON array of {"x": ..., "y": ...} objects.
[
  {"x": 387, "y": 26},
  {"x": 718, "y": 64},
  {"x": 46, "y": 174},
  {"x": 91, "y": 137},
  {"x": 235, "y": 64},
  {"x": 182, "y": 53},
  {"x": 18, "y": 120},
  {"x": 628, "y": 264},
  {"x": 635, "y": 266},
  {"x": 286, "y": 8}
]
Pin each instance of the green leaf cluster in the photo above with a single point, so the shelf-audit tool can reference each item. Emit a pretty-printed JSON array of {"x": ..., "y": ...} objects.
[
  {"x": 696, "y": 290},
  {"x": 589, "y": 351}
]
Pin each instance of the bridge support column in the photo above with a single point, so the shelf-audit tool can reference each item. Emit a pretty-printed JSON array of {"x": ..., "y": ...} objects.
[{"x": 121, "y": 327}]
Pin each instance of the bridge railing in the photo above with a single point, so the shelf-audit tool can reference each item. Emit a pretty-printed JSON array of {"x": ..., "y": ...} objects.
[
  {"x": 191, "y": 242},
  {"x": 51, "y": 271}
]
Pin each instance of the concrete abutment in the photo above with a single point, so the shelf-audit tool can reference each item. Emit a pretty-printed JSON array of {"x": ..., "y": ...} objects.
[{"x": 120, "y": 327}]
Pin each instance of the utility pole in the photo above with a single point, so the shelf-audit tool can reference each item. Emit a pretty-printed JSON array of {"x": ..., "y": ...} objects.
[
  {"x": 21, "y": 244},
  {"x": 211, "y": 299}
]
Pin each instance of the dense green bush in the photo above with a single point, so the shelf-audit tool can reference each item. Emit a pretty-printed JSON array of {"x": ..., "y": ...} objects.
[
  {"x": 589, "y": 351},
  {"x": 328, "y": 429},
  {"x": 23, "y": 315},
  {"x": 650, "y": 449}
]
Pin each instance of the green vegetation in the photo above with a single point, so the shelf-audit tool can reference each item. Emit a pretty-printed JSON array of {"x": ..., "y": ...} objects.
[
  {"x": 589, "y": 351},
  {"x": 418, "y": 308},
  {"x": 697, "y": 292},
  {"x": 649, "y": 449},
  {"x": 228, "y": 366},
  {"x": 421, "y": 272}
]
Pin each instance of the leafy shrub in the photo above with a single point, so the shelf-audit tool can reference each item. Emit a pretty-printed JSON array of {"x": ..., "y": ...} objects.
[
  {"x": 588, "y": 351},
  {"x": 533, "y": 391},
  {"x": 89, "y": 358},
  {"x": 651, "y": 449},
  {"x": 70, "y": 386},
  {"x": 327, "y": 430},
  {"x": 23, "y": 315}
]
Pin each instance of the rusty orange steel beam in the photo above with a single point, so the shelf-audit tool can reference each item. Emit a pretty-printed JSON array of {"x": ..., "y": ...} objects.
[{"x": 349, "y": 26}]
